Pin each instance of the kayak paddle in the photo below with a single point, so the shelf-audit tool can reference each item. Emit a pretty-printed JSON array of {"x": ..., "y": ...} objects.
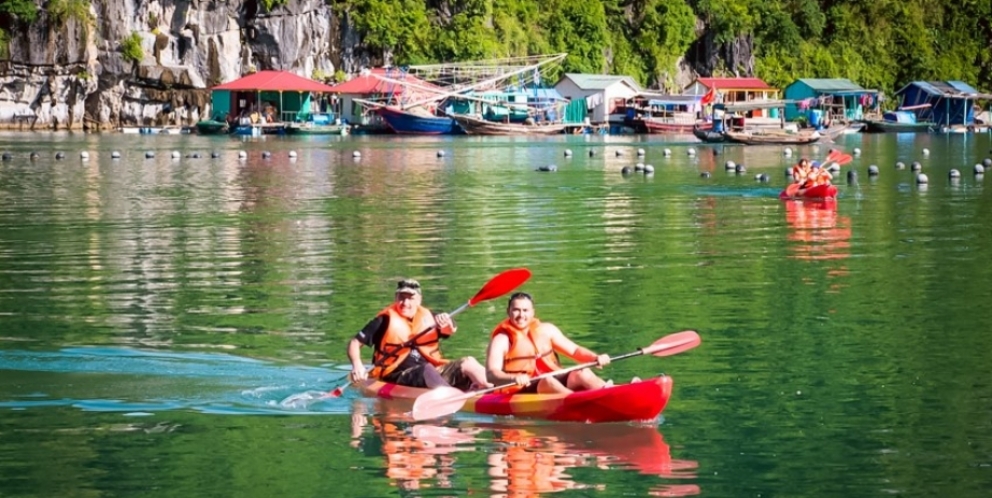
[
  {"x": 446, "y": 400},
  {"x": 495, "y": 287}
]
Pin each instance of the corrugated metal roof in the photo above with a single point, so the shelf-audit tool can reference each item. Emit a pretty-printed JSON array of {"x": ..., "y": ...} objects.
[
  {"x": 734, "y": 83},
  {"x": 600, "y": 81},
  {"x": 947, "y": 89},
  {"x": 827, "y": 85},
  {"x": 381, "y": 80},
  {"x": 274, "y": 81}
]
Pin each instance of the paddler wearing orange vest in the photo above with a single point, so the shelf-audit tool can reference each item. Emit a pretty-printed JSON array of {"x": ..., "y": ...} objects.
[
  {"x": 522, "y": 347},
  {"x": 405, "y": 338},
  {"x": 818, "y": 175},
  {"x": 801, "y": 171}
]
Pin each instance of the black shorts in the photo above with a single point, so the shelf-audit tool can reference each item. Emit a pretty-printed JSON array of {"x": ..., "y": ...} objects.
[
  {"x": 532, "y": 387},
  {"x": 451, "y": 372}
]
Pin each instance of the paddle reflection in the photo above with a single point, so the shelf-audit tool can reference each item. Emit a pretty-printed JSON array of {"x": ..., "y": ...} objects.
[
  {"x": 521, "y": 460},
  {"x": 817, "y": 231}
]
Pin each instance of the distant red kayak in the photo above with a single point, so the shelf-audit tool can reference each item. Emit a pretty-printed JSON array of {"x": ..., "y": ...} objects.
[{"x": 817, "y": 192}]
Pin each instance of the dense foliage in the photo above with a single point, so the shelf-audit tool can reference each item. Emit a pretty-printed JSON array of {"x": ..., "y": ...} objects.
[{"x": 877, "y": 43}]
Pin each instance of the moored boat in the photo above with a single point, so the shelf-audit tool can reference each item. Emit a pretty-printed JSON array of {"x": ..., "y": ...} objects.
[
  {"x": 411, "y": 122},
  {"x": 478, "y": 126},
  {"x": 772, "y": 137},
  {"x": 637, "y": 401},
  {"x": 211, "y": 127}
]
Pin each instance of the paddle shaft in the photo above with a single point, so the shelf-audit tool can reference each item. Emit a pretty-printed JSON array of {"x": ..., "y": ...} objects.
[{"x": 581, "y": 366}]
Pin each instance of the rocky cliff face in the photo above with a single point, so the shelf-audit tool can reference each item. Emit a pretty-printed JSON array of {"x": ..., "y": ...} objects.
[
  {"x": 74, "y": 74},
  {"x": 71, "y": 72}
]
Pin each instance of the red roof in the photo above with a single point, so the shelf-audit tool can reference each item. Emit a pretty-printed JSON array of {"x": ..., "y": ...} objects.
[
  {"x": 734, "y": 83},
  {"x": 377, "y": 81},
  {"x": 274, "y": 81}
]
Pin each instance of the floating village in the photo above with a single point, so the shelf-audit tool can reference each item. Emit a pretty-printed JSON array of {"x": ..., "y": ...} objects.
[{"x": 516, "y": 96}]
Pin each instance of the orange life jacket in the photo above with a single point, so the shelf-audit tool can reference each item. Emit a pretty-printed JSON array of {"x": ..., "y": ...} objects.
[
  {"x": 401, "y": 336},
  {"x": 820, "y": 177},
  {"x": 530, "y": 352},
  {"x": 799, "y": 173}
]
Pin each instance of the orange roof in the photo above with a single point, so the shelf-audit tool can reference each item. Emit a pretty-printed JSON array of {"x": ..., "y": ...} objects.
[
  {"x": 274, "y": 81},
  {"x": 734, "y": 83},
  {"x": 377, "y": 81}
]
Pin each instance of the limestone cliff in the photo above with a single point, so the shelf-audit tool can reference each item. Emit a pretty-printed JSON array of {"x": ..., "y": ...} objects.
[{"x": 72, "y": 73}]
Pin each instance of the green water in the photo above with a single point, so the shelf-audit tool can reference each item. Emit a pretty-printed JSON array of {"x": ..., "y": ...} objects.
[{"x": 156, "y": 314}]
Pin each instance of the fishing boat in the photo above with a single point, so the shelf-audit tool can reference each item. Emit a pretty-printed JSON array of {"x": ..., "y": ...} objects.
[
  {"x": 211, "y": 127},
  {"x": 815, "y": 192},
  {"x": 902, "y": 121},
  {"x": 708, "y": 135},
  {"x": 474, "y": 125},
  {"x": 772, "y": 137},
  {"x": 417, "y": 121},
  {"x": 637, "y": 401}
]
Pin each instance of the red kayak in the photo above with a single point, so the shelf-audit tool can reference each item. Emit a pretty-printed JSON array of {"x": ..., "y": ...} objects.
[
  {"x": 637, "y": 401},
  {"x": 817, "y": 192}
]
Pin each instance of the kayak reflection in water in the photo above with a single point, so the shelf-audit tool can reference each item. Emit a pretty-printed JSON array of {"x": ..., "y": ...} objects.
[{"x": 537, "y": 459}]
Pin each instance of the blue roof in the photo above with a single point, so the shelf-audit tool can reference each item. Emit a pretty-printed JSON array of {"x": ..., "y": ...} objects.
[{"x": 945, "y": 89}]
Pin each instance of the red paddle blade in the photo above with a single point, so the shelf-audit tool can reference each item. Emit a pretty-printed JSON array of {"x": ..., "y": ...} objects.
[
  {"x": 500, "y": 284},
  {"x": 673, "y": 343},
  {"x": 334, "y": 393},
  {"x": 846, "y": 158},
  {"x": 438, "y": 403}
]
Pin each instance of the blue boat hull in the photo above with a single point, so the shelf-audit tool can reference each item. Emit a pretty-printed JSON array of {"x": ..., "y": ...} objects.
[{"x": 413, "y": 124}]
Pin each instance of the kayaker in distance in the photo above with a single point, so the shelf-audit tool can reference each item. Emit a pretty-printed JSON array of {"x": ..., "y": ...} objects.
[
  {"x": 818, "y": 175},
  {"x": 522, "y": 347},
  {"x": 405, "y": 338},
  {"x": 801, "y": 171}
]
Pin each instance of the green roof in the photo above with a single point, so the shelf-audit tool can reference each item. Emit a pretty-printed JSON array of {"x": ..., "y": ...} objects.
[
  {"x": 832, "y": 85},
  {"x": 600, "y": 81}
]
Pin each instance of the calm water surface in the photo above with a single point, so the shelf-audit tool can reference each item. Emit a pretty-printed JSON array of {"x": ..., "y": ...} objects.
[{"x": 165, "y": 324}]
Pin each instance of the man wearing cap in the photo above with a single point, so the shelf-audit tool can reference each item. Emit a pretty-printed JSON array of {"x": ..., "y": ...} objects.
[{"x": 405, "y": 338}]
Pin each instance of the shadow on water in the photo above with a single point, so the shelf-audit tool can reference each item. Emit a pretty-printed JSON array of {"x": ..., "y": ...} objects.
[{"x": 138, "y": 382}]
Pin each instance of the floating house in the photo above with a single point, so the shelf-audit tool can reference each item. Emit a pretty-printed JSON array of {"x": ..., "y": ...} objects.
[
  {"x": 840, "y": 98},
  {"x": 266, "y": 101},
  {"x": 379, "y": 85},
  {"x": 943, "y": 103},
  {"x": 604, "y": 96},
  {"x": 733, "y": 90}
]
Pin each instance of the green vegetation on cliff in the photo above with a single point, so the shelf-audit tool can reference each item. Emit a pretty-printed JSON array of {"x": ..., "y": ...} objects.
[{"x": 877, "y": 43}]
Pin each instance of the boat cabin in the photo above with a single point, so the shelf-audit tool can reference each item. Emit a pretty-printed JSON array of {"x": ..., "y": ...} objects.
[{"x": 834, "y": 98}]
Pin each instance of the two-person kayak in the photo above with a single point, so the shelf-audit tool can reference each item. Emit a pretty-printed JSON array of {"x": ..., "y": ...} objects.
[
  {"x": 637, "y": 401},
  {"x": 814, "y": 192}
]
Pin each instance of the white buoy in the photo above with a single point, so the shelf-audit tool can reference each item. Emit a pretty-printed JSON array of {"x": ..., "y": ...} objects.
[
  {"x": 691, "y": 151},
  {"x": 729, "y": 165},
  {"x": 922, "y": 178},
  {"x": 242, "y": 154},
  {"x": 979, "y": 169},
  {"x": 787, "y": 151},
  {"x": 873, "y": 170},
  {"x": 926, "y": 152},
  {"x": 292, "y": 154},
  {"x": 639, "y": 167},
  {"x": 648, "y": 169},
  {"x": 619, "y": 153},
  {"x": 85, "y": 156},
  {"x": 441, "y": 153},
  {"x": 176, "y": 154},
  {"x": 954, "y": 173},
  {"x": 568, "y": 152},
  {"x": 857, "y": 151},
  {"x": 668, "y": 152},
  {"x": 640, "y": 152},
  {"x": 115, "y": 155}
]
